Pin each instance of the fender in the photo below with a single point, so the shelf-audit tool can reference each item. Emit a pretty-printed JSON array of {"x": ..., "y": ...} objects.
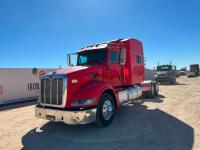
[{"x": 92, "y": 89}]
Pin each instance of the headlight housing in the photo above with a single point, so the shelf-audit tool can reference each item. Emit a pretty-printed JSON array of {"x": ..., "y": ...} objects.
[{"x": 83, "y": 102}]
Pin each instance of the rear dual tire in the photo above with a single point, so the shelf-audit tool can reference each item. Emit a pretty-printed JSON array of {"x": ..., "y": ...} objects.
[
  {"x": 153, "y": 92},
  {"x": 156, "y": 87}
]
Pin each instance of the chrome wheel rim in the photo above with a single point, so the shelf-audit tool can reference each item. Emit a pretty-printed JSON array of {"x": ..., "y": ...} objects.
[{"x": 107, "y": 110}]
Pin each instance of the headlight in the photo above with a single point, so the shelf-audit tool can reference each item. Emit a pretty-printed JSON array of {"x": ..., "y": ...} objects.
[{"x": 83, "y": 102}]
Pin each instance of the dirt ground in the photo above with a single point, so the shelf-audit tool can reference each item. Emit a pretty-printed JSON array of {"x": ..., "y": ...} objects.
[{"x": 168, "y": 122}]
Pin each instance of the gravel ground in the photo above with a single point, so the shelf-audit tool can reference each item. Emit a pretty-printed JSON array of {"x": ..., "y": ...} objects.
[{"x": 168, "y": 122}]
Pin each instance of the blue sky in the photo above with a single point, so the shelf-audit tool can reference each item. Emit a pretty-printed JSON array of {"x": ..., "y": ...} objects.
[{"x": 40, "y": 33}]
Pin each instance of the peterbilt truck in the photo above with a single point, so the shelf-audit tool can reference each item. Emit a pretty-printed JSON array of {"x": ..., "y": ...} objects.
[
  {"x": 107, "y": 76},
  {"x": 166, "y": 74}
]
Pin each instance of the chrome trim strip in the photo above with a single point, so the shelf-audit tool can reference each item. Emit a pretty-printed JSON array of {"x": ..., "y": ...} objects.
[
  {"x": 64, "y": 90},
  {"x": 68, "y": 117}
]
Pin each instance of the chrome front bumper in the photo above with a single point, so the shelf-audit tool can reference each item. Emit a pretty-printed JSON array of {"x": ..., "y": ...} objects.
[{"x": 68, "y": 117}]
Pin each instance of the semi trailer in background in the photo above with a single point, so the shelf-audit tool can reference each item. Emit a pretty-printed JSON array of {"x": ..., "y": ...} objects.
[
  {"x": 19, "y": 84},
  {"x": 107, "y": 76},
  {"x": 193, "y": 71}
]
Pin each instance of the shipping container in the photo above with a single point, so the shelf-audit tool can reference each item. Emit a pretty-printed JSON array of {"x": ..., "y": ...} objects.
[{"x": 19, "y": 84}]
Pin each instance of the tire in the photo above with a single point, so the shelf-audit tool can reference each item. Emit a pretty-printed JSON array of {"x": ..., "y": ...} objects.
[
  {"x": 105, "y": 110},
  {"x": 151, "y": 93},
  {"x": 174, "y": 81},
  {"x": 156, "y": 88}
]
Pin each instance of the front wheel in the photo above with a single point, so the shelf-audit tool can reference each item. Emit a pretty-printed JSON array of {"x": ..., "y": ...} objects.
[
  {"x": 105, "y": 110},
  {"x": 173, "y": 81}
]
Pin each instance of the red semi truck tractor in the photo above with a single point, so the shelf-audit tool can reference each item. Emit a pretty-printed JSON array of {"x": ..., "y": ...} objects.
[{"x": 107, "y": 76}]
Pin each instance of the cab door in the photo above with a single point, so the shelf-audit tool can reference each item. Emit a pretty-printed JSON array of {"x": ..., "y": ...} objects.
[{"x": 114, "y": 67}]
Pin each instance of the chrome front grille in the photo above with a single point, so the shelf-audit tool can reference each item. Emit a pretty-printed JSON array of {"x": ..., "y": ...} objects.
[{"x": 53, "y": 90}]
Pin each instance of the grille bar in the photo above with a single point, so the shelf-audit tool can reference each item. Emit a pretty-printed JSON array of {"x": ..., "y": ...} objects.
[{"x": 52, "y": 90}]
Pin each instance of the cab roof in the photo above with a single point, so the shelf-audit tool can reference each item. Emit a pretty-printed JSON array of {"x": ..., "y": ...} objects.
[{"x": 103, "y": 45}]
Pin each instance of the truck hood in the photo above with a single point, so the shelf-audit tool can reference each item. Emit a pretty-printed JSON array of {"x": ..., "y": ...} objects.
[{"x": 73, "y": 69}]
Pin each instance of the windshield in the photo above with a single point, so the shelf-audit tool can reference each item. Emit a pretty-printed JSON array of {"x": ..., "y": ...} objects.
[
  {"x": 91, "y": 57},
  {"x": 164, "y": 68}
]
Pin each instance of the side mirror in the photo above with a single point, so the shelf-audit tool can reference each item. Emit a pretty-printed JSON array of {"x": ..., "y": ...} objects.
[
  {"x": 122, "y": 56},
  {"x": 68, "y": 60}
]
